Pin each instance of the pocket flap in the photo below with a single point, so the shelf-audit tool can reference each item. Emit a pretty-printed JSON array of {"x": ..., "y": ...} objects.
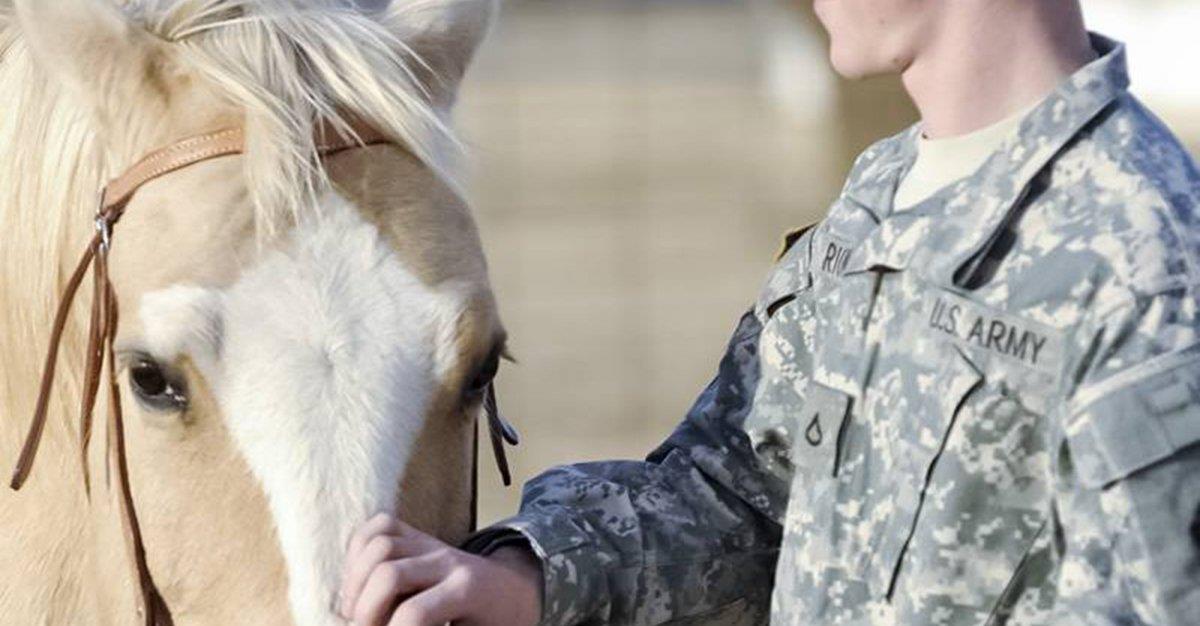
[
  {"x": 959, "y": 380},
  {"x": 1139, "y": 423}
]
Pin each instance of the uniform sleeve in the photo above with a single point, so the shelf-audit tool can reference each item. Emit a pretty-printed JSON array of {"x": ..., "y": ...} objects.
[
  {"x": 1128, "y": 478},
  {"x": 691, "y": 534}
]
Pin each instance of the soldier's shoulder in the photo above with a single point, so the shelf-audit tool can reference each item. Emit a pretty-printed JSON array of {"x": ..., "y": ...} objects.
[
  {"x": 1128, "y": 193},
  {"x": 1140, "y": 152}
]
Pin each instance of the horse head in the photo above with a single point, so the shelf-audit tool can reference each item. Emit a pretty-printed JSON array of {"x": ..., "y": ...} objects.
[{"x": 303, "y": 339}]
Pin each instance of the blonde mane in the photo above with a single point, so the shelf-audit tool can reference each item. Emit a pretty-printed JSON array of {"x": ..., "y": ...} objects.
[
  {"x": 288, "y": 64},
  {"x": 50, "y": 174}
]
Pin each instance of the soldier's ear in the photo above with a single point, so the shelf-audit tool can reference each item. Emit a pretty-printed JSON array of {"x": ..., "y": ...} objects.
[
  {"x": 445, "y": 34},
  {"x": 91, "y": 47}
]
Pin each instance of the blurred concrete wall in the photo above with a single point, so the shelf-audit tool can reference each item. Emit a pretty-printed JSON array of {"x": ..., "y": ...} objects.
[{"x": 635, "y": 163}]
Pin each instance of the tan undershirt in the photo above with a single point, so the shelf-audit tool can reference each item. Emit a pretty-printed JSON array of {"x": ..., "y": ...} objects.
[{"x": 944, "y": 161}]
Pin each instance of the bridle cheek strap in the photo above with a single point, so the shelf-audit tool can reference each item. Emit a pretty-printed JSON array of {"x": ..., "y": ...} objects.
[
  {"x": 102, "y": 326},
  {"x": 101, "y": 333}
]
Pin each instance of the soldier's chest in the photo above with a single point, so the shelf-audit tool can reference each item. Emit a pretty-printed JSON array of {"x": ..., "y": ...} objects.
[
  {"x": 914, "y": 415},
  {"x": 871, "y": 322}
]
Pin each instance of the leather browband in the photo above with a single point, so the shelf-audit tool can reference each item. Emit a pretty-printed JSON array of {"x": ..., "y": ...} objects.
[
  {"x": 210, "y": 146},
  {"x": 103, "y": 324}
]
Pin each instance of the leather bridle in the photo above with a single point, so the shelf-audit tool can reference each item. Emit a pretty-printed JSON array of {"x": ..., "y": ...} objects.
[{"x": 114, "y": 198}]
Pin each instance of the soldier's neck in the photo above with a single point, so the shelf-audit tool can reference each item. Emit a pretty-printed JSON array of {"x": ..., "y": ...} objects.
[{"x": 985, "y": 61}]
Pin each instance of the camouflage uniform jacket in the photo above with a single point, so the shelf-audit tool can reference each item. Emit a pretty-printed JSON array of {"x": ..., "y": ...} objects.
[{"x": 980, "y": 410}]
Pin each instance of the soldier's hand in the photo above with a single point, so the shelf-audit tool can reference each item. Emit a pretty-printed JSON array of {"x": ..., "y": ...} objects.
[{"x": 396, "y": 575}]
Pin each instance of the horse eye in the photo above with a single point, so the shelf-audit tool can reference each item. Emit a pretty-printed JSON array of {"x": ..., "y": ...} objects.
[
  {"x": 484, "y": 376},
  {"x": 155, "y": 388}
]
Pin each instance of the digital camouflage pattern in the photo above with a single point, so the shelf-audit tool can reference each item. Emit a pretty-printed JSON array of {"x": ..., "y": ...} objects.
[{"x": 982, "y": 410}]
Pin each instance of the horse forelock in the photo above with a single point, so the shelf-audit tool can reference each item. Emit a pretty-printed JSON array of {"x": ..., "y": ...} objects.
[{"x": 287, "y": 67}]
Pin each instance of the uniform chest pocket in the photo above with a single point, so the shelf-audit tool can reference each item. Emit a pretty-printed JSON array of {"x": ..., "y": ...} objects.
[
  {"x": 923, "y": 423},
  {"x": 983, "y": 499}
]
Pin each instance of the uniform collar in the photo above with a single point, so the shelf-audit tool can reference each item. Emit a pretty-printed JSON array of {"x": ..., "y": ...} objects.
[
  {"x": 987, "y": 201},
  {"x": 878, "y": 172},
  {"x": 993, "y": 196}
]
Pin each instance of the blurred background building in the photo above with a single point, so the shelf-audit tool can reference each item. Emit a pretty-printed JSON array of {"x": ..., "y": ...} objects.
[{"x": 635, "y": 162}]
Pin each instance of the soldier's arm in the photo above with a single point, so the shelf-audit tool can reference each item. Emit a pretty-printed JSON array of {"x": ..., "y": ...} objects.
[
  {"x": 688, "y": 536},
  {"x": 1128, "y": 474},
  {"x": 693, "y": 531}
]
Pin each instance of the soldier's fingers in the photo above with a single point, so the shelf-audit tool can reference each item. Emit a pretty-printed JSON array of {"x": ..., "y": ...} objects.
[
  {"x": 413, "y": 542},
  {"x": 380, "y": 524},
  {"x": 436, "y": 606},
  {"x": 359, "y": 565},
  {"x": 391, "y": 581},
  {"x": 383, "y": 538},
  {"x": 379, "y": 550}
]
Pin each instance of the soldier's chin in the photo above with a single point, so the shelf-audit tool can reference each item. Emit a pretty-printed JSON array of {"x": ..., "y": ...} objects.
[{"x": 853, "y": 63}]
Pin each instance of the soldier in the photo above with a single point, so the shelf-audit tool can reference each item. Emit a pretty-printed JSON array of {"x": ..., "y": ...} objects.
[{"x": 969, "y": 396}]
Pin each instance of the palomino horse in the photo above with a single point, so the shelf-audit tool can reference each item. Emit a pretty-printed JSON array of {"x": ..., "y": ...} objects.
[{"x": 305, "y": 337}]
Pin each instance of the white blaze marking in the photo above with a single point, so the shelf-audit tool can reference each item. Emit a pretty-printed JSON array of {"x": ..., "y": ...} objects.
[{"x": 328, "y": 353}]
